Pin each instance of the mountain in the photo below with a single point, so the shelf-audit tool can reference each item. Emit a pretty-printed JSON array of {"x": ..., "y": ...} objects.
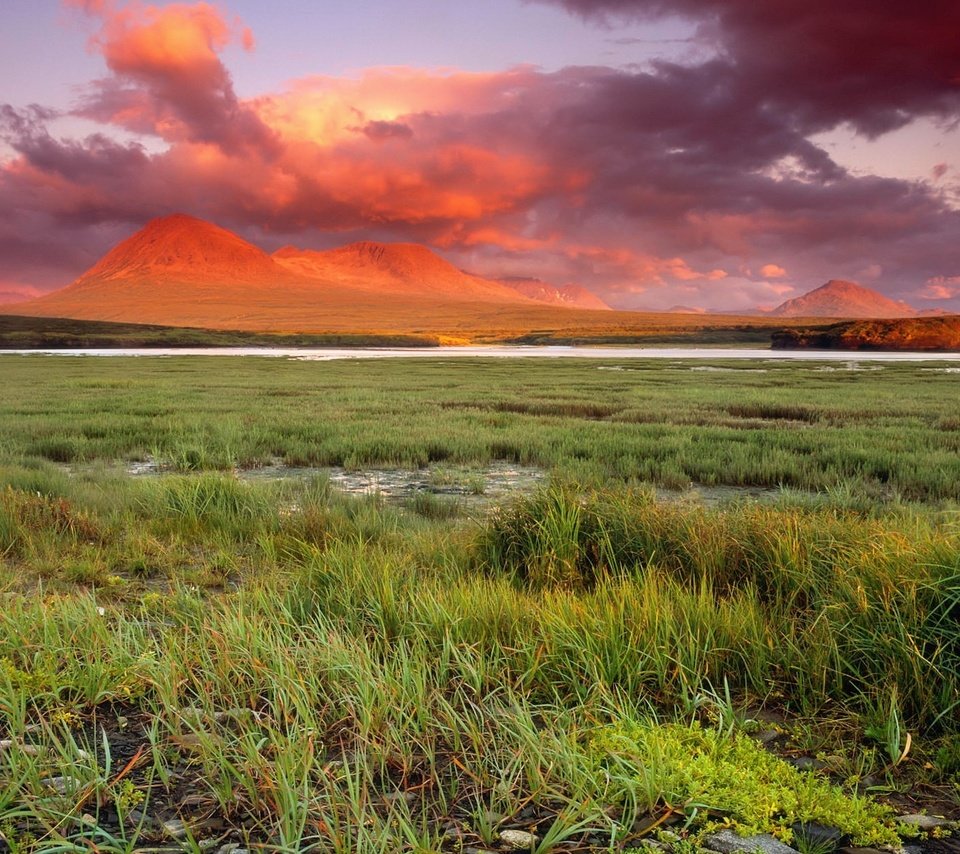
[
  {"x": 186, "y": 249},
  {"x": 573, "y": 296},
  {"x": 838, "y": 298},
  {"x": 393, "y": 268},
  {"x": 183, "y": 271}
]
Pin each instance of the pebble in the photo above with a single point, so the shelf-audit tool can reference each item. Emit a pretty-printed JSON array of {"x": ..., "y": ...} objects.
[
  {"x": 62, "y": 785},
  {"x": 812, "y": 835},
  {"x": 926, "y": 822},
  {"x": 175, "y": 829},
  {"x": 25, "y": 749},
  {"x": 518, "y": 840},
  {"x": 728, "y": 842},
  {"x": 806, "y": 763},
  {"x": 232, "y": 848}
]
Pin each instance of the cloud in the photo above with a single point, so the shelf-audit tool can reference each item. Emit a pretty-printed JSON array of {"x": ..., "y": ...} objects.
[
  {"x": 378, "y": 130},
  {"x": 886, "y": 62},
  {"x": 168, "y": 79},
  {"x": 941, "y": 288},
  {"x": 635, "y": 182}
]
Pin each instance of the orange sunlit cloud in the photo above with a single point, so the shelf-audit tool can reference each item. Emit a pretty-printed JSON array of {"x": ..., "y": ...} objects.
[
  {"x": 628, "y": 180},
  {"x": 772, "y": 271}
]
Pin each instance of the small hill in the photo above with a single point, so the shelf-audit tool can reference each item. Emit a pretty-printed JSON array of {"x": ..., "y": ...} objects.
[
  {"x": 402, "y": 269},
  {"x": 179, "y": 271},
  {"x": 183, "y": 248},
  {"x": 931, "y": 334},
  {"x": 574, "y": 296},
  {"x": 838, "y": 298}
]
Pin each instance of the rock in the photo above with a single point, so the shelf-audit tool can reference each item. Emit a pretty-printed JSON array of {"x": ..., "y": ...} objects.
[
  {"x": 518, "y": 840},
  {"x": 849, "y": 850},
  {"x": 811, "y": 835},
  {"x": 25, "y": 749},
  {"x": 926, "y": 822},
  {"x": 728, "y": 842},
  {"x": 62, "y": 785},
  {"x": 806, "y": 763},
  {"x": 232, "y": 848},
  {"x": 175, "y": 829},
  {"x": 136, "y": 817}
]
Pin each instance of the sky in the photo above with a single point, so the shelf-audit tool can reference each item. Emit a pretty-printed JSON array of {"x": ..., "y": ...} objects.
[{"x": 715, "y": 154}]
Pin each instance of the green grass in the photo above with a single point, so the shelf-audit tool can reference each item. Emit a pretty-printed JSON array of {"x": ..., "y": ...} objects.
[
  {"x": 22, "y": 333},
  {"x": 334, "y": 674},
  {"x": 891, "y": 433}
]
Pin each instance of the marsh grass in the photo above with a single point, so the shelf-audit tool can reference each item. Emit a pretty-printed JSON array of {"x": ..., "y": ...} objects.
[
  {"x": 333, "y": 674},
  {"x": 884, "y": 434}
]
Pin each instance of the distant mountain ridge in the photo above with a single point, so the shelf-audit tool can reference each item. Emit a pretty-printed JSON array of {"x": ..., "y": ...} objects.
[
  {"x": 568, "y": 295},
  {"x": 840, "y": 298},
  {"x": 393, "y": 268},
  {"x": 182, "y": 271}
]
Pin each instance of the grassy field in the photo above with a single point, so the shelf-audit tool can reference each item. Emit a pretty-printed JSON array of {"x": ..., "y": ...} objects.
[
  {"x": 496, "y": 326},
  {"x": 196, "y": 660}
]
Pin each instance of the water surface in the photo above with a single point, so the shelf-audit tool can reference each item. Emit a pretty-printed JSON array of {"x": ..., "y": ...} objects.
[{"x": 507, "y": 352}]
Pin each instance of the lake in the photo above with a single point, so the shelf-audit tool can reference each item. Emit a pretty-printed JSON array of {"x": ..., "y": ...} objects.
[{"x": 505, "y": 352}]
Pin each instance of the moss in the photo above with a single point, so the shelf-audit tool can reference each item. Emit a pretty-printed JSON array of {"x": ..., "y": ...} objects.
[{"x": 728, "y": 778}]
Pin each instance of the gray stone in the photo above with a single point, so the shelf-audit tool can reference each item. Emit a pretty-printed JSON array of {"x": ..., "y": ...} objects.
[
  {"x": 806, "y": 763},
  {"x": 518, "y": 840},
  {"x": 728, "y": 842},
  {"x": 232, "y": 848},
  {"x": 62, "y": 785},
  {"x": 175, "y": 829},
  {"x": 813, "y": 836},
  {"x": 926, "y": 822}
]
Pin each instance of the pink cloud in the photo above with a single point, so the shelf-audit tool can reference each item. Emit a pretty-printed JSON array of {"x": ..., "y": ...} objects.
[
  {"x": 772, "y": 271},
  {"x": 941, "y": 288},
  {"x": 168, "y": 78},
  {"x": 628, "y": 181}
]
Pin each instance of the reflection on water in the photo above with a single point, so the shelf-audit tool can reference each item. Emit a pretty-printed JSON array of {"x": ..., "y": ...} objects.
[
  {"x": 483, "y": 484},
  {"x": 489, "y": 484}
]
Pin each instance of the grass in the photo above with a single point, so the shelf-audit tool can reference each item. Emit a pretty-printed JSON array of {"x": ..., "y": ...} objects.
[
  {"x": 891, "y": 433},
  {"x": 21, "y": 333},
  {"x": 276, "y": 665}
]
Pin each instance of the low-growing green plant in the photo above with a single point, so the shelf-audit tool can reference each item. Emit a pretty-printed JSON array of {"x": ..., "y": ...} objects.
[{"x": 731, "y": 779}]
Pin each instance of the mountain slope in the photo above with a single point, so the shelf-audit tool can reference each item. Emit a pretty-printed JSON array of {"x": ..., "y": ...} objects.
[
  {"x": 838, "y": 298},
  {"x": 183, "y": 248},
  {"x": 573, "y": 296},
  {"x": 393, "y": 269},
  {"x": 182, "y": 271}
]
